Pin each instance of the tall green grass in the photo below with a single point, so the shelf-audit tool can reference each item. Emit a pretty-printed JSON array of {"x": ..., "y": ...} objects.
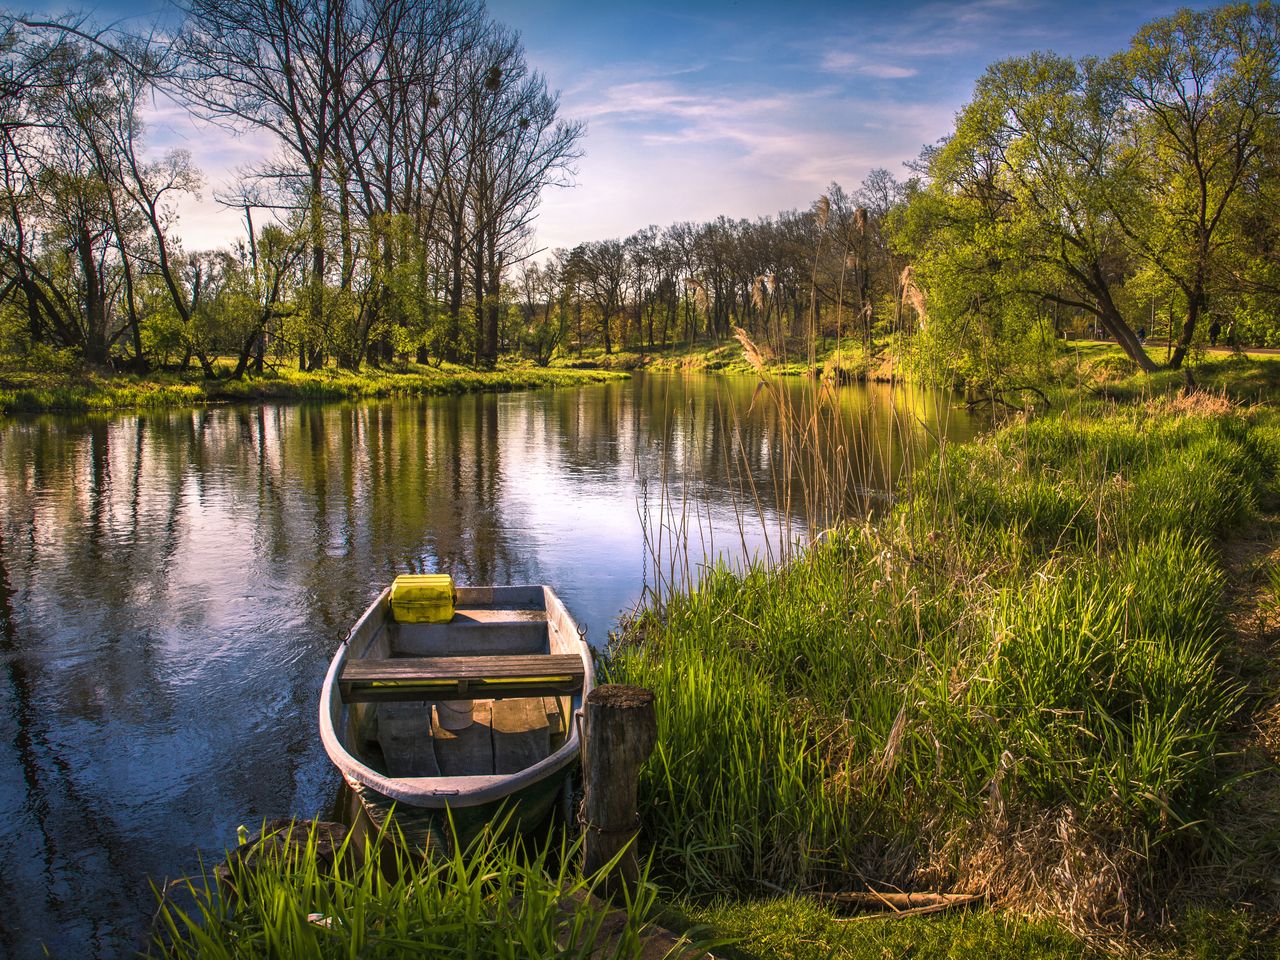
[
  {"x": 1031, "y": 633},
  {"x": 490, "y": 900}
]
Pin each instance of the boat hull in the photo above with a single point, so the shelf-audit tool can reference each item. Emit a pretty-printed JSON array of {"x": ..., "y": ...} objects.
[{"x": 441, "y": 830}]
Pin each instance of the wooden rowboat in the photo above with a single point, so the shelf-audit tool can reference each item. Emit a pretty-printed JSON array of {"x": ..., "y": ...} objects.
[{"x": 474, "y": 716}]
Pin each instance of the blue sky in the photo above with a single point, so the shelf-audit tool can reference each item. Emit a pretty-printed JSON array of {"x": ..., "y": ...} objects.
[
  {"x": 746, "y": 108},
  {"x": 743, "y": 108}
]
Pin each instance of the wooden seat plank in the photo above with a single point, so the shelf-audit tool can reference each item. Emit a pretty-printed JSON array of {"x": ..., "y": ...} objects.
[
  {"x": 475, "y": 630},
  {"x": 460, "y": 678},
  {"x": 404, "y": 733}
]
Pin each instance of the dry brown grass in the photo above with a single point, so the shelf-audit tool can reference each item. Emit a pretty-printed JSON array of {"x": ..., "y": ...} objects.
[
  {"x": 753, "y": 353},
  {"x": 912, "y": 295},
  {"x": 1197, "y": 403},
  {"x": 1048, "y": 865}
]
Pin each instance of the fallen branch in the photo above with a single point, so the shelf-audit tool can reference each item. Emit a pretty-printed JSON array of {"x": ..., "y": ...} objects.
[
  {"x": 998, "y": 397},
  {"x": 901, "y": 904}
]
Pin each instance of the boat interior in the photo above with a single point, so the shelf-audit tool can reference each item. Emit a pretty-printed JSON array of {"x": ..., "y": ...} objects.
[{"x": 493, "y": 691}]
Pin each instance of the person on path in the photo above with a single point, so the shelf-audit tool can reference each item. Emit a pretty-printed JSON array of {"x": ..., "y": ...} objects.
[{"x": 1215, "y": 328}]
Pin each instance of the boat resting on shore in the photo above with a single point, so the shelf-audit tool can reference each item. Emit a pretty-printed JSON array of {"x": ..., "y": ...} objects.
[{"x": 467, "y": 719}]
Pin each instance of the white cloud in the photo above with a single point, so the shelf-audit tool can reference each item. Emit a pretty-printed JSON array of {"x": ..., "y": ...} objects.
[
  {"x": 663, "y": 151},
  {"x": 844, "y": 61},
  {"x": 219, "y": 154}
]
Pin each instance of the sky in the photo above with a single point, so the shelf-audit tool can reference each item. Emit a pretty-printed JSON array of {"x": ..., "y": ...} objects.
[{"x": 696, "y": 109}]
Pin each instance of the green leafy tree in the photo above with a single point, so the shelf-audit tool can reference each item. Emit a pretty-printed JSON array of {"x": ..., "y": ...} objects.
[{"x": 1204, "y": 93}]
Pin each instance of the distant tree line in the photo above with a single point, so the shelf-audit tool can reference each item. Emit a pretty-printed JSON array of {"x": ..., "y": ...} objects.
[
  {"x": 414, "y": 144},
  {"x": 1136, "y": 196},
  {"x": 827, "y": 272}
]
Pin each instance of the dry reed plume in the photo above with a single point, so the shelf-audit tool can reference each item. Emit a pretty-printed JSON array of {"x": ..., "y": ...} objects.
[{"x": 911, "y": 293}]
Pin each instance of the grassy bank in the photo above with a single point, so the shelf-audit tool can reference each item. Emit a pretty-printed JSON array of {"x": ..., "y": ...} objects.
[
  {"x": 798, "y": 928},
  {"x": 850, "y": 363},
  {"x": 1102, "y": 370},
  {"x": 1017, "y": 683},
  {"x": 75, "y": 390},
  {"x": 490, "y": 900}
]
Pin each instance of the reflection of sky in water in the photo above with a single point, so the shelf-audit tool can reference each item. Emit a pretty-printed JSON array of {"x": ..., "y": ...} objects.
[{"x": 173, "y": 584}]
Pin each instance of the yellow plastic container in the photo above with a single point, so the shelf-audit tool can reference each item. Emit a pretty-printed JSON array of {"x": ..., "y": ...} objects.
[{"x": 422, "y": 598}]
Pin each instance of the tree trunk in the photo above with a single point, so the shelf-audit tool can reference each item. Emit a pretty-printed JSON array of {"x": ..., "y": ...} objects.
[
  {"x": 94, "y": 340},
  {"x": 1110, "y": 317},
  {"x": 491, "y": 306},
  {"x": 453, "y": 332},
  {"x": 1195, "y": 306},
  {"x": 317, "y": 254}
]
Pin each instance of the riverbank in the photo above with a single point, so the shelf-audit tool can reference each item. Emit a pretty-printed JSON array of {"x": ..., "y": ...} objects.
[
  {"x": 849, "y": 364},
  {"x": 1018, "y": 683},
  {"x": 1096, "y": 366},
  {"x": 75, "y": 390},
  {"x": 1088, "y": 365}
]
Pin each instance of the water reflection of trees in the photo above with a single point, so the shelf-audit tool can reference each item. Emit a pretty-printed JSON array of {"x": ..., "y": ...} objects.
[
  {"x": 126, "y": 542},
  {"x": 723, "y": 437}
]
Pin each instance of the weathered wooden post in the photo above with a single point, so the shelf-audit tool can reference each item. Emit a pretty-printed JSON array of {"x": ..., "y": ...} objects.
[{"x": 621, "y": 730}]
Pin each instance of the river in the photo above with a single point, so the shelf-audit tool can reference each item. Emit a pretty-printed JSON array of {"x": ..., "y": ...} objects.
[{"x": 173, "y": 584}]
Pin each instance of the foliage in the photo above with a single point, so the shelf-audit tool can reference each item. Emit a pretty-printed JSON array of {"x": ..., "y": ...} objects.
[
  {"x": 491, "y": 899},
  {"x": 1091, "y": 191},
  {"x": 352, "y": 263}
]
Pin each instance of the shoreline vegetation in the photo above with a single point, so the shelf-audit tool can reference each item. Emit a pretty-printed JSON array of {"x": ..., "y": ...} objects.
[
  {"x": 1044, "y": 675},
  {"x": 71, "y": 390},
  {"x": 60, "y": 385}
]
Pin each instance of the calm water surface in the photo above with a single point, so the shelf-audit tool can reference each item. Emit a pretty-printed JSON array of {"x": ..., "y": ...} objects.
[{"x": 173, "y": 584}]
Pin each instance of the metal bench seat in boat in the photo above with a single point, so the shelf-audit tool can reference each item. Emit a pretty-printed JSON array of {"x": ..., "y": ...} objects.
[
  {"x": 460, "y": 678},
  {"x": 476, "y": 628}
]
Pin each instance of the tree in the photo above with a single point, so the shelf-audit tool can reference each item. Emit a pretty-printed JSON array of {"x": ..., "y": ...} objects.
[
  {"x": 295, "y": 70},
  {"x": 1055, "y": 133},
  {"x": 518, "y": 147},
  {"x": 75, "y": 239},
  {"x": 600, "y": 271},
  {"x": 1205, "y": 89}
]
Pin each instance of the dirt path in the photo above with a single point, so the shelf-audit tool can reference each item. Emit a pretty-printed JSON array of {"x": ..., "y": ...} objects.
[{"x": 1247, "y": 871}]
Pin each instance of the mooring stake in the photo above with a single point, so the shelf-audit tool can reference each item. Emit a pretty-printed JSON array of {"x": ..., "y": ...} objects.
[{"x": 621, "y": 731}]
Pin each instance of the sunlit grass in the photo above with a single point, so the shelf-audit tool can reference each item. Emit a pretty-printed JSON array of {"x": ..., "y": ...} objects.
[
  {"x": 86, "y": 391},
  {"x": 493, "y": 899},
  {"x": 1032, "y": 633},
  {"x": 849, "y": 361},
  {"x": 802, "y": 929}
]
